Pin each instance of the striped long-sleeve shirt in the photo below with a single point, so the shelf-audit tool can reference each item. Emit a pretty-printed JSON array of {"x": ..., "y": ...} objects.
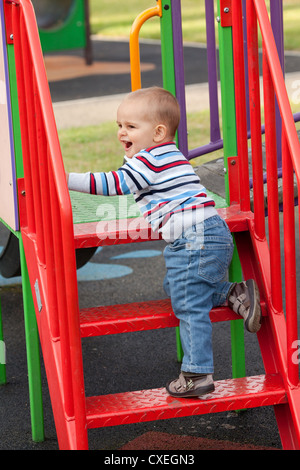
[{"x": 164, "y": 185}]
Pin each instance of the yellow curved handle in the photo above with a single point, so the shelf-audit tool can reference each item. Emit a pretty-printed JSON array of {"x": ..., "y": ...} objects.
[{"x": 134, "y": 46}]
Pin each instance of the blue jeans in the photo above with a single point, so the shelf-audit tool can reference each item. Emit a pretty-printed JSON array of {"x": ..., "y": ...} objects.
[{"x": 197, "y": 264}]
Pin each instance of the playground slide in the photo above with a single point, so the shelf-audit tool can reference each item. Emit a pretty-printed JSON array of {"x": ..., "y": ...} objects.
[
  {"x": 52, "y": 15},
  {"x": 10, "y": 255}
]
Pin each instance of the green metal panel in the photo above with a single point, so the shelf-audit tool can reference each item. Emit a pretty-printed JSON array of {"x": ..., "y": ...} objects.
[
  {"x": 15, "y": 111},
  {"x": 31, "y": 332},
  {"x": 229, "y": 135},
  {"x": 230, "y": 150},
  {"x": 71, "y": 34},
  {"x": 167, "y": 56},
  {"x": 33, "y": 354},
  {"x": 167, "y": 51},
  {"x": 227, "y": 98}
]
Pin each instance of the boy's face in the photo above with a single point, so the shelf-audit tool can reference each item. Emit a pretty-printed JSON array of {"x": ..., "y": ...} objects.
[{"x": 136, "y": 130}]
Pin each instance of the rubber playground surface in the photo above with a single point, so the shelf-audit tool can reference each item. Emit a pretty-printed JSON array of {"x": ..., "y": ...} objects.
[
  {"x": 133, "y": 361},
  {"x": 123, "y": 274},
  {"x": 109, "y": 74}
]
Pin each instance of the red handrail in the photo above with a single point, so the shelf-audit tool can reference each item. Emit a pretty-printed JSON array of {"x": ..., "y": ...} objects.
[
  {"x": 279, "y": 84},
  {"x": 255, "y": 121},
  {"x": 274, "y": 85},
  {"x": 241, "y": 119},
  {"x": 48, "y": 208},
  {"x": 272, "y": 186}
]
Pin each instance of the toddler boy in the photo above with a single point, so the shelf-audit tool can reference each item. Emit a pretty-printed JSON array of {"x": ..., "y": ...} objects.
[{"x": 199, "y": 244}]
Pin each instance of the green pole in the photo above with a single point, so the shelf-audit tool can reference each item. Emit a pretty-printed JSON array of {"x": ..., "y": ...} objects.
[
  {"x": 167, "y": 55},
  {"x": 33, "y": 354},
  {"x": 167, "y": 50},
  {"x": 31, "y": 332},
  {"x": 230, "y": 150}
]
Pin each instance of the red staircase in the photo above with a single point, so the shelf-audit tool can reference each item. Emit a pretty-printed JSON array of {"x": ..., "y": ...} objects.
[{"x": 50, "y": 240}]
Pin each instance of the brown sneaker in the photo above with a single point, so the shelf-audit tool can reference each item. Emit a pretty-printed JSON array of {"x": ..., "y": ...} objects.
[
  {"x": 185, "y": 387},
  {"x": 243, "y": 298}
]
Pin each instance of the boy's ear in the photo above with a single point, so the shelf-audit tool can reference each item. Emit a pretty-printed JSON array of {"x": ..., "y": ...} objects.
[{"x": 160, "y": 133}]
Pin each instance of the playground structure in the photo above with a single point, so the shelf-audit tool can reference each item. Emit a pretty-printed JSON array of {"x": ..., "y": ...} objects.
[
  {"x": 40, "y": 211},
  {"x": 64, "y": 24}
]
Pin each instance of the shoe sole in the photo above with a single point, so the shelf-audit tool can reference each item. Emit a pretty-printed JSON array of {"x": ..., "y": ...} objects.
[
  {"x": 253, "y": 321},
  {"x": 198, "y": 392}
]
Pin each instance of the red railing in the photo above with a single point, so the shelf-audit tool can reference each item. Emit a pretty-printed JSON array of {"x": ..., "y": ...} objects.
[
  {"x": 49, "y": 211},
  {"x": 48, "y": 206},
  {"x": 273, "y": 86}
]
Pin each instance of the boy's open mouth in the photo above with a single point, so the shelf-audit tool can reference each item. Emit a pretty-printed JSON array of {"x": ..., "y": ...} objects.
[{"x": 128, "y": 145}]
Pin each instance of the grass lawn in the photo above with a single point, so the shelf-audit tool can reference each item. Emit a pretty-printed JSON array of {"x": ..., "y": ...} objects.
[
  {"x": 96, "y": 148},
  {"x": 112, "y": 18}
]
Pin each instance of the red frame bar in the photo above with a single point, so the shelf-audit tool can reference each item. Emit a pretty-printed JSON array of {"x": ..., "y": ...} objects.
[
  {"x": 43, "y": 175},
  {"x": 255, "y": 122},
  {"x": 279, "y": 84},
  {"x": 226, "y": 13},
  {"x": 240, "y": 93},
  {"x": 290, "y": 259},
  {"x": 274, "y": 84},
  {"x": 272, "y": 186},
  {"x": 23, "y": 116}
]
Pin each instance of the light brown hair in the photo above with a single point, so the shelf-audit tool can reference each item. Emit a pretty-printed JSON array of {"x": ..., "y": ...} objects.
[{"x": 162, "y": 106}]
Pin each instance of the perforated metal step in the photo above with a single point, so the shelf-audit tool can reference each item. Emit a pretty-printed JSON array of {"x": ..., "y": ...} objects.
[
  {"x": 149, "y": 405},
  {"x": 138, "y": 316}
]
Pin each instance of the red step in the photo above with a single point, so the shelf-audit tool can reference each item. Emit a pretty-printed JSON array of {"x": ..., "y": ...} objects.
[
  {"x": 121, "y": 231},
  {"x": 138, "y": 316},
  {"x": 149, "y": 405}
]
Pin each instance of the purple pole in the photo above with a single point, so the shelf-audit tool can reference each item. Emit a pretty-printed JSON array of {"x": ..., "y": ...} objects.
[
  {"x": 212, "y": 79},
  {"x": 179, "y": 74},
  {"x": 212, "y": 71},
  {"x": 277, "y": 26},
  {"x": 216, "y": 141},
  {"x": 246, "y": 61}
]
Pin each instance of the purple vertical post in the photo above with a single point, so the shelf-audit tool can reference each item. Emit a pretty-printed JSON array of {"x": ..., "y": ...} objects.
[
  {"x": 246, "y": 61},
  {"x": 276, "y": 8},
  {"x": 179, "y": 74},
  {"x": 212, "y": 74},
  {"x": 212, "y": 71}
]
